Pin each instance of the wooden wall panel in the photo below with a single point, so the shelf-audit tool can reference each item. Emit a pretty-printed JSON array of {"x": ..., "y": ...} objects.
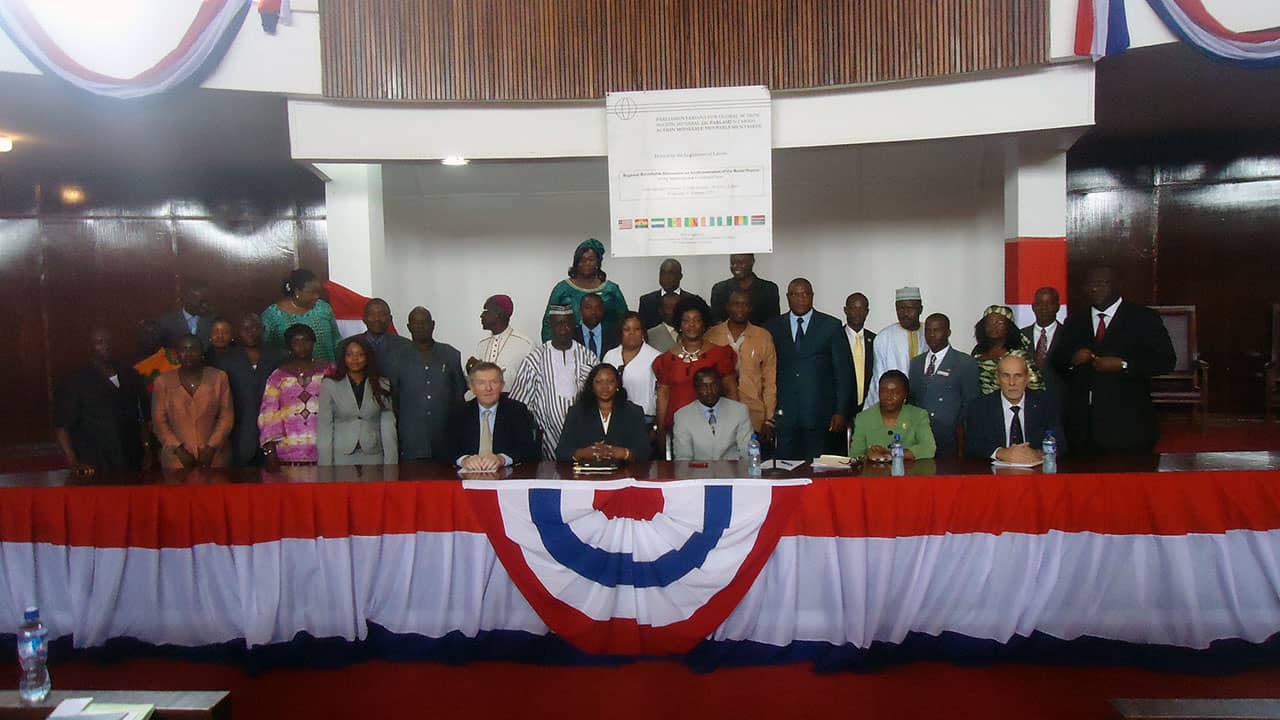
[
  {"x": 1187, "y": 220},
  {"x": 511, "y": 50},
  {"x": 121, "y": 258}
]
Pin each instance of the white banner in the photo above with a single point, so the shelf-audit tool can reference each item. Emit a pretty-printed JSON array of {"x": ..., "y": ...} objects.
[{"x": 690, "y": 171}]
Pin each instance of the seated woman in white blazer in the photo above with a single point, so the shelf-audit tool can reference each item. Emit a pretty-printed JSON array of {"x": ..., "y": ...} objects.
[{"x": 356, "y": 424}]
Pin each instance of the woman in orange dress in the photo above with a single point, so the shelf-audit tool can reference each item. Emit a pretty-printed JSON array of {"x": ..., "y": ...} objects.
[{"x": 191, "y": 411}]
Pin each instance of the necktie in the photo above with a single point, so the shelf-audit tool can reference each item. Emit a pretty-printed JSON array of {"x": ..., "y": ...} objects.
[
  {"x": 1042, "y": 349},
  {"x": 486, "y": 435},
  {"x": 1015, "y": 428},
  {"x": 1102, "y": 328},
  {"x": 913, "y": 343},
  {"x": 799, "y": 330},
  {"x": 591, "y": 342},
  {"x": 711, "y": 419},
  {"x": 859, "y": 367},
  {"x": 933, "y": 365}
]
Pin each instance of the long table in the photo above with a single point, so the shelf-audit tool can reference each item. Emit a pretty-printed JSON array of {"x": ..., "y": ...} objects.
[{"x": 661, "y": 559}]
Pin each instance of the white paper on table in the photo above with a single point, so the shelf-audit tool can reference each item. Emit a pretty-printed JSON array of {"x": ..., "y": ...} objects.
[
  {"x": 71, "y": 706},
  {"x": 1002, "y": 463}
]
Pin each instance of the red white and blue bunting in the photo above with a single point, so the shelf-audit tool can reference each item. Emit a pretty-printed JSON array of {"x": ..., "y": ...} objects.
[
  {"x": 199, "y": 50},
  {"x": 1102, "y": 29}
]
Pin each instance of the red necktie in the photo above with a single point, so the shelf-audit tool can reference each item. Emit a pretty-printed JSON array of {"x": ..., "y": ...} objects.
[{"x": 1102, "y": 328}]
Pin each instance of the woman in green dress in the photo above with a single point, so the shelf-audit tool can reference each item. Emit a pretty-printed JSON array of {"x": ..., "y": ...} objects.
[
  {"x": 586, "y": 277},
  {"x": 873, "y": 428},
  {"x": 997, "y": 336},
  {"x": 302, "y": 304}
]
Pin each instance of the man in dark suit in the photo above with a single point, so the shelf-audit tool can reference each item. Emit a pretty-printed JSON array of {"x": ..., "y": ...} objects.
[
  {"x": 943, "y": 382},
  {"x": 1108, "y": 356},
  {"x": 815, "y": 378},
  {"x": 492, "y": 431},
  {"x": 193, "y": 318},
  {"x": 248, "y": 364},
  {"x": 764, "y": 293},
  {"x": 1044, "y": 337},
  {"x": 861, "y": 347},
  {"x": 387, "y": 346},
  {"x": 1010, "y": 425},
  {"x": 669, "y": 276},
  {"x": 595, "y": 333}
]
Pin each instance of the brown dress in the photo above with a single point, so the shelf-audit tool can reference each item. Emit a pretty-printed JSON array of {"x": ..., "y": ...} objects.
[{"x": 193, "y": 422}]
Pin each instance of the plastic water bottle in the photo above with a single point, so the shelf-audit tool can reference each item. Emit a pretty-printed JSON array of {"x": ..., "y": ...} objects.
[
  {"x": 753, "y": 456},
  {"x": 1050, "y": 450},
  {"x": 33, "y": 656},
  {"x": 897, "y": 457}
]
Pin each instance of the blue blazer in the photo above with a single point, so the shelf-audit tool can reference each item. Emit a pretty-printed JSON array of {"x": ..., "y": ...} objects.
[
  {"x": 984, "y": 425},
  {"x": 815, "y": 379}
]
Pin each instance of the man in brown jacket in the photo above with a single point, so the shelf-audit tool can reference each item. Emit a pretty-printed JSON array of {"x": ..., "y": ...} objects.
[{"x": 757, "y": 360}]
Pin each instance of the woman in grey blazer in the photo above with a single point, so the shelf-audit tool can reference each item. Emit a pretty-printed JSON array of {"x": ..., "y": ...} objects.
[{"x": 356, "y": 424}]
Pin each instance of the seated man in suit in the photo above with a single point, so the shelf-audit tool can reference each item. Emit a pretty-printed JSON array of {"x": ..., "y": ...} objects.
[
  {"x": 1010, "y": 425},
  {"x": 715, "y": 427},
  {"x": 595, "y": 333},
  {"x": 491, "y": 431},
  {"x": 943, "y": 382},
  {"x": 662, "y": 337},
  {"x": 669, "y": 276}
]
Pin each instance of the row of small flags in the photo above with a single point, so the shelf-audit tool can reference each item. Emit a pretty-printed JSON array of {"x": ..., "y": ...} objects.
[{"x": 715, "y": 221}]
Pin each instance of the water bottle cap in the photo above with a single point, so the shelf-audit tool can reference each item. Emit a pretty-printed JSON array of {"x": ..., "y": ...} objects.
[
  {"x": 31, "y": 614},
  {"x": 897, "y": 437},
  {"x": 1048, "y": 433}
]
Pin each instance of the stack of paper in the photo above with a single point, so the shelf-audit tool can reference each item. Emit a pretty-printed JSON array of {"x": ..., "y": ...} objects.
[{"x": 86, "y": 709}]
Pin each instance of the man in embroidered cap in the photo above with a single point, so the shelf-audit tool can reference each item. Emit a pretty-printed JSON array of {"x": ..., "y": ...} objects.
[
  {"x": 505, "y": 346},
  {"x": 898, "y": 343},
  {"x": 551, "y": 376}
]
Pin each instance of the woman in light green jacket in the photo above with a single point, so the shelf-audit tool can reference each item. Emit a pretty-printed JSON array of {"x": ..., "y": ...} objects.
[{"x": 874, "y": 427}]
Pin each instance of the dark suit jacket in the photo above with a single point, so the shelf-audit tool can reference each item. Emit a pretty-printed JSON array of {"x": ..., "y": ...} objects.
[
  {"x": 815, "y": 380},
  {"x": 945, "y": 394},
  {"x": 174, "y": 326},
  {"x": 869, "y": 357},
  {"x": 610, "y": 336},
  {"x": 651, "y": 306},
  {"x": 247, "y": 385},
  {"x": 1053, "y": 380},
  {"x": 582, "y": 427},
  {"x": 1121, "y": 416},
  {"x": 984, "y": 430},
  {"x": 513, "y": 431},
  {"x": 104, "y": 421},
  {"x": 764, "y": 301}
]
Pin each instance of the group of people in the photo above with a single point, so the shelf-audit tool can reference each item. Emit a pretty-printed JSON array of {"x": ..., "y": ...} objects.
[{"x": 611, "y": 385}]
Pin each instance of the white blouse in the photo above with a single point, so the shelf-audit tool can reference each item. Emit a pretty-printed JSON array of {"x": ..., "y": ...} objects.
[{"x": 637, "y": 377}]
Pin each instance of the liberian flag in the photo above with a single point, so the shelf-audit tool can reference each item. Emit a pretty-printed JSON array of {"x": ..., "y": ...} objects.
[
  {"x": 1101, "y": 28},
  {"x": 348, "y": 309}
]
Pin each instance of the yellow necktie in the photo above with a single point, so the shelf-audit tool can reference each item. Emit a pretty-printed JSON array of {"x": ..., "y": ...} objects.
[
  {"x": 859, "y": 366},
  {"x": 486, "y": 435},
  {"x": 913, "y": 343}
]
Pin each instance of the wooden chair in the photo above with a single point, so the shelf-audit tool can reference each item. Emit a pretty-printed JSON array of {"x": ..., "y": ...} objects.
[
  {"x": 1188, "y": 384},
  {"x": 1271, "y": 376}
]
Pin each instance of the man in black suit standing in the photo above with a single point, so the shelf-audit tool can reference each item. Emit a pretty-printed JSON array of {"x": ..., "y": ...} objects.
[
  {"x": 1010, "y": 425},
  {"x": 861, "y": 347},
  {"x": 492, "y": 431},
  {"x": 1044, "y": 337},
  {"x": 944, "y": 382},
  {"x": 595, "y": 333},
  {"x": 764, "y": 293},
  {"x": 815, "y": 378},
  {"x": 193, "y": 318},
  {"x": 1108, "y": 356},
  {"x": 670, "y": 274}
]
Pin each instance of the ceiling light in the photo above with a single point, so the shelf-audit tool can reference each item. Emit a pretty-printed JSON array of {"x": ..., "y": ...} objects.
[
  {"x": 454, "y": 160},
  {"x": 6, "y": 144},
  {"x": 71, "y": 194}
]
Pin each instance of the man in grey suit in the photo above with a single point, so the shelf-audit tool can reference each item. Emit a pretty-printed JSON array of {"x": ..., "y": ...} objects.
[
  {"x": 663, "y": 335},
  {"x": 715, "y": 427},
  {"x": 427, "y": 382},
  {"x": 387, "y": 346},
  {"x": 193, "y": 318},
  {"x": 1045, "y": 338},
  {"x": 944, "y": 381}
]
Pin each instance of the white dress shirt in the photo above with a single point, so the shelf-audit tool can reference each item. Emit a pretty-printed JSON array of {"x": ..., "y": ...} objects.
[
  {"x": 937, "y": 358},
  {"x": 1008, "y": 417},
  {"x": 1110, "y": 312}
]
